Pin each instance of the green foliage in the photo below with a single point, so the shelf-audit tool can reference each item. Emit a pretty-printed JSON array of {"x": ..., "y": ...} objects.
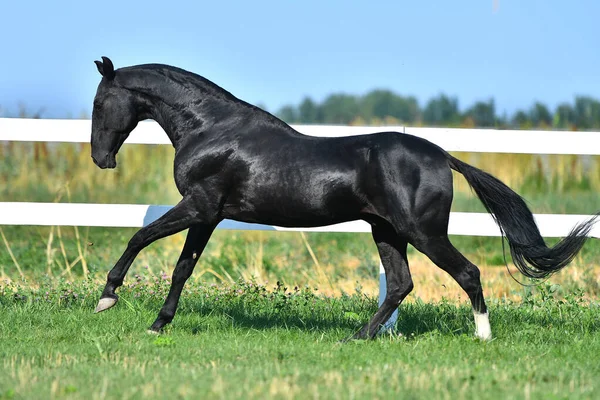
[
  {"x": 540, "y": 115},
  {"x": 483, "y": 114},
  {"x": 339, "y": 109},
  {"x": 384, "y": 107},
  {"x": 587, "y": 112},
  {"x": 309, "y": 112},
  {"x": 564, "y": 116},
  {"x": 380, "y": 104},
  {"x": 441, "y": 110}
]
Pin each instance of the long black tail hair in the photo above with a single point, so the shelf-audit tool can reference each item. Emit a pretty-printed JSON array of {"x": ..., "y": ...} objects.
[{"x": 529, "y": 251}]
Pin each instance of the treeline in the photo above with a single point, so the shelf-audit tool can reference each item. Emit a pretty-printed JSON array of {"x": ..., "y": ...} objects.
[{"x": 384, "y": 107}]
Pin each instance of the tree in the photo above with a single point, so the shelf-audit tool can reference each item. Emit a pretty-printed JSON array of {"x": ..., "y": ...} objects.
[
  {"x": 309, "y": 112},
  {"x": 441, "y": 110},
  {"x": 339, "y": 109},
  {"x": 540, "y": 115},
  {"x": 483, "y": 113},
  {"x": 384, "y": 107},
  {"x": 381, "y": 103},
  {"x": 288, "y": 114},
  {"x": 564, "y": 116},
  {"x": 587, "y": 112},
  {"x": 520, "y": 119}
]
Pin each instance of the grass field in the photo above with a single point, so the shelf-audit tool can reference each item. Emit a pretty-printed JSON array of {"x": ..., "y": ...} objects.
[
  {"x": 249, "y": 341},
  {"x": 231, "y": 339}
]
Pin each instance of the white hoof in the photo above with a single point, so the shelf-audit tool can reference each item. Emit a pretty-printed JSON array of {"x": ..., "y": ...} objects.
[
  {"x": 483, "y": 336},
  {"x": 151, "y": 332},
  {"x": 482, "y": 326},
  {"x": 105, "y": 304}
]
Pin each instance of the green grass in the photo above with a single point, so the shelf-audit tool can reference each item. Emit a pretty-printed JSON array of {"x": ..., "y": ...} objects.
[{"x": 244, "y": 341}]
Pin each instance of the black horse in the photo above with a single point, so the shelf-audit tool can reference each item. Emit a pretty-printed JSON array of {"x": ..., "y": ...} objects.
[{"x": 234, "y": 160}]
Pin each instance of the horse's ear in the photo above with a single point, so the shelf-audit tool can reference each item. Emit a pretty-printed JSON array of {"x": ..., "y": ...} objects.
[
  {"x": 100, "y": 67},
  {"x": 106, "y": 68}
]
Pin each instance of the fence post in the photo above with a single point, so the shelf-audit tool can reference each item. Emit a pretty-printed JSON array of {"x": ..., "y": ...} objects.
[{"x": 382, "y": 292}]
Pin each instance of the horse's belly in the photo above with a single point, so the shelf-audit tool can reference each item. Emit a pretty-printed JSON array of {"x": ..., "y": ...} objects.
[
  {"x": 299, "y": 208},
  {"x": 287, "y": 221}
]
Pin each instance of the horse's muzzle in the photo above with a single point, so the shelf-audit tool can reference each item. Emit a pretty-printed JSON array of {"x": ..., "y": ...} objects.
[{"x": 109, "y": 161}]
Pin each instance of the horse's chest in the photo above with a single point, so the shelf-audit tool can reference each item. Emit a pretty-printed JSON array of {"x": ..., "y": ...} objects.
[{"x": 197, "y": 171}]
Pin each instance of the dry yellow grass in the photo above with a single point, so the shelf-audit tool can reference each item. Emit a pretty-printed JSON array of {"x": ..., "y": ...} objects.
[{"x": 432, "y": 284}]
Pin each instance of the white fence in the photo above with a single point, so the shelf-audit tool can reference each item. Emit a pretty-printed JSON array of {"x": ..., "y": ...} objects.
[{"x": 129, "y": 215}]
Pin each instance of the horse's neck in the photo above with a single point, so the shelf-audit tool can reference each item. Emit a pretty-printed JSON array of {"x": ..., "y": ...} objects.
[
  {"x": 168, "y": 114},
  {"x": 182, "y": 110},
  {"x": 167, "y": 123}
]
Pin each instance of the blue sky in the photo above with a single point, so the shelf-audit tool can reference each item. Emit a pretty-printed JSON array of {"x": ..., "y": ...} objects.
[{"x": 276, "y": 52}]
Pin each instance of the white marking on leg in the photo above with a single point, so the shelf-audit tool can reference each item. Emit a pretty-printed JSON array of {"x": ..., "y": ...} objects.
[{"x": 482, "y": 326}]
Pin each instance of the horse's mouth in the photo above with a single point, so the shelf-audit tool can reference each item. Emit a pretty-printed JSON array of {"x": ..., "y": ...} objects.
[{"x": 109, "y": 161}]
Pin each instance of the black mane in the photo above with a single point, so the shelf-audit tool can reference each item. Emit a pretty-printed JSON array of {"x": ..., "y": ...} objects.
[
  {"x": 194, "y": 85},
  {"x": 183, "y": 77}
]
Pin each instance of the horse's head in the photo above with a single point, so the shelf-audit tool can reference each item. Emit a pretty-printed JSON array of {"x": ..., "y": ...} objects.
[{"x": 113, "y": 118}]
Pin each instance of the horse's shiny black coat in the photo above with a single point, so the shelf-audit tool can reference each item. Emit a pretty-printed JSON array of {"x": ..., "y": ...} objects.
[{"x": 236, "y": 161}]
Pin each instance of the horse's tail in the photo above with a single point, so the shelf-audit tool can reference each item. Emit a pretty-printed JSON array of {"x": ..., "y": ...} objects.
[{"x": 529, "y": 251}]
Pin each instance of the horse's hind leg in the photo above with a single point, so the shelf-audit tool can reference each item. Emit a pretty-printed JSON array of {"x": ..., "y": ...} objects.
[
  {"x": 195, "y": 243},
  {"x": 441, "y": 251},
  {"x": 392, "y": 251}
]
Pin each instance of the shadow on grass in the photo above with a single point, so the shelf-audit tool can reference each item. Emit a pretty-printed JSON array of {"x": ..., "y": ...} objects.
[{"x": 414, "y": 319}]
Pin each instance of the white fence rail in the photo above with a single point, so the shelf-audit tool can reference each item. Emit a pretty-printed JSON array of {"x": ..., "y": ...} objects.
[
  {"x": 130, "y": 215},
  {"x": 138, "y": 215},
  {"x": 470, "y": 140}
]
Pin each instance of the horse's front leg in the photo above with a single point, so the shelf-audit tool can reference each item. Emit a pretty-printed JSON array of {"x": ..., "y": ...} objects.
[
  {"x": 195, "y": 242},
  {"x": 180, "y": 217}
]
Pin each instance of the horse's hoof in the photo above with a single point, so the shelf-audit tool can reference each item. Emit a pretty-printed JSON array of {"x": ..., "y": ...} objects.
[
  {"x": 105, "y": 303},
  {"x": 486, "y": 337},
  {"x": 152, "y": 332}
]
